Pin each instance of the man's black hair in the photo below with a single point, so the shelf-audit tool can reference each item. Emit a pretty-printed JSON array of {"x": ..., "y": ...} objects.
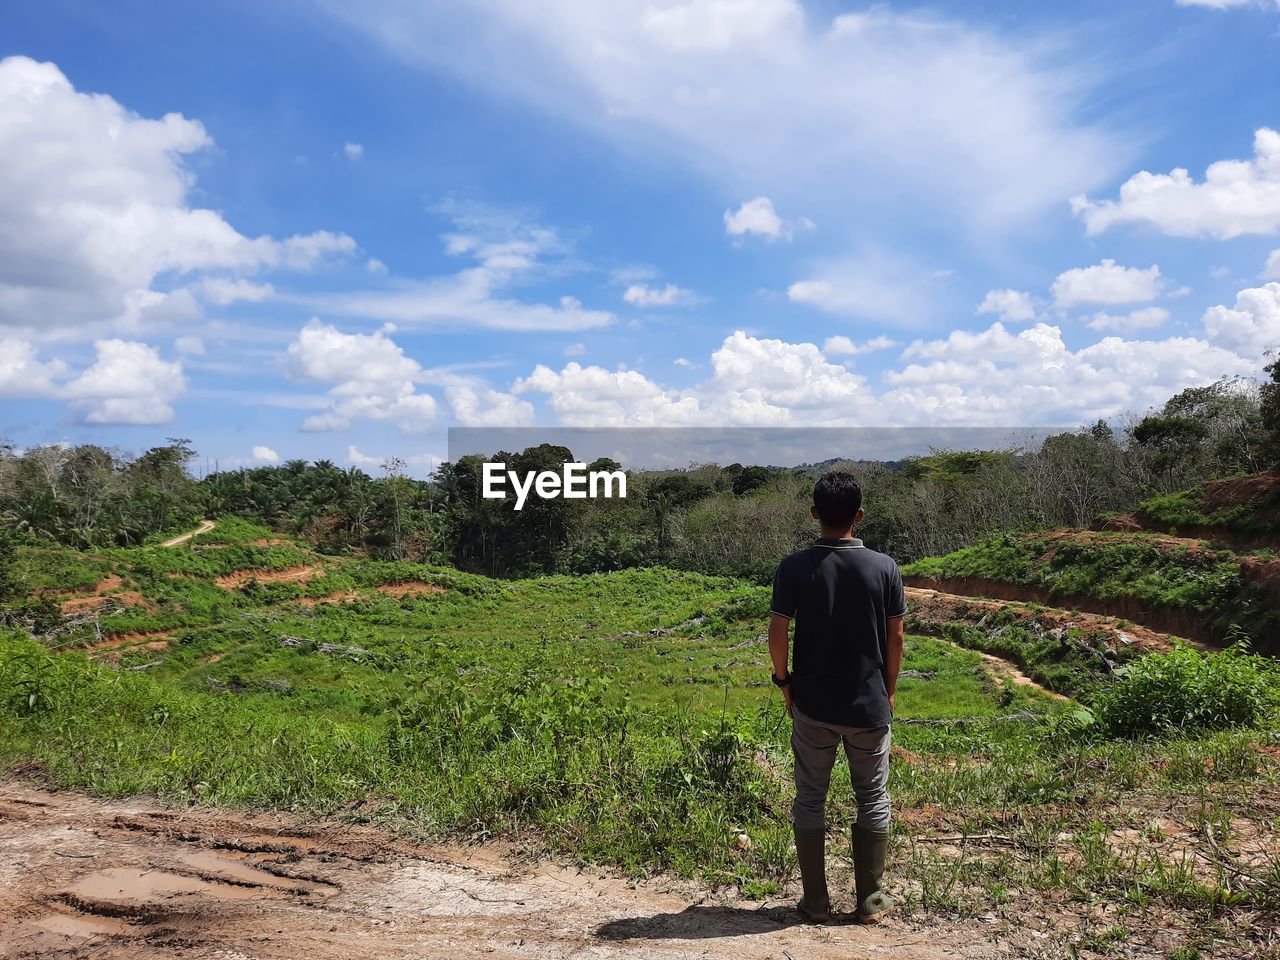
[{"x": 838, "y": 499}]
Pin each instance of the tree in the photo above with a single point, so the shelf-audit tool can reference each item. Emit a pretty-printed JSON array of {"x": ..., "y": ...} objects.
[{"x": 1269, "y": 414}]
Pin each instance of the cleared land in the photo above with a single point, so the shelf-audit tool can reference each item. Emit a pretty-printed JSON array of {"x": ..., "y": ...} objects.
[{"x": 456, "y": 748}]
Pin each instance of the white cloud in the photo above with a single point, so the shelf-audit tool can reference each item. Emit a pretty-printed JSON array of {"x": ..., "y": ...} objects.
[
  {"x": 354, "y": 151},
  {"x": 23, "y": 374},
  {"x": 843, "y": 345},
  {"x": 643, "y": 295},
  {"x": 1271, "y": 271},
  {"x": 504, "y": 249},
  {"x": 989, "y": 377},
  {"x": 758, "y": 216},
  {"x": 575, "y": 350},
  {"x": 1106, "y": 283},
  {"x": 374, "y": 379},
  {"x": 682, "y": 362},
  {"x": 766, "y": 96},
  {"x": 263, "y": 454},
  {"x": 357, "y": 459},
  {"x": 94, "y": 207},
  {"x": 1252, "y": 327},
  {"x": 1011, "y": 306},
  {"x": 190, "y": 345},
  {"x": 592, "y": 396},
  {"x": 221, "y": 291},
  {"x": 374, "y": 265},
  {"x": 1236, "y": 197},
  {"x": 1148, "y": 318},
  {"x": 873, "y": 285},
  {"x": 754, "y": 382},
  {"x": 129, "y": 383},
  {"x": 476, "y": 405}
]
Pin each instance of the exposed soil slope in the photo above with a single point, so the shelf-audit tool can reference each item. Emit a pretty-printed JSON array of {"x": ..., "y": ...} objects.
[
  {"x": 87, "y": 879},
  {"x": 929, "y": 608}
]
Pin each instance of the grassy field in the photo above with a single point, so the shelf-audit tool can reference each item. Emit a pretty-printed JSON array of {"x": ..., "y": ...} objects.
[{"x": 623, "y": 719}]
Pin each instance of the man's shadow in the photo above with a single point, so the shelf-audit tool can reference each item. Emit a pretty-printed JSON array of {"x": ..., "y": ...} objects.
[{"x": 707, "y": 922}]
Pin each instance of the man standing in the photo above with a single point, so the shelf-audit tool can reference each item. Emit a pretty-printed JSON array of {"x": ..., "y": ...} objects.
[{"x": 847, "y": 603}]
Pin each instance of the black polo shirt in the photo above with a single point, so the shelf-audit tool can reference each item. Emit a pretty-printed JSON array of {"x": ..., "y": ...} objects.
[{"x": 840, "y": 595}]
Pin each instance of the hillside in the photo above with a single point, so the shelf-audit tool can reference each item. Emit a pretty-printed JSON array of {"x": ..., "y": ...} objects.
[
  {"x": 241, "y": 669},
  {"x": 1192, "y": 588},
  {"x": 1241, "y": 512}
]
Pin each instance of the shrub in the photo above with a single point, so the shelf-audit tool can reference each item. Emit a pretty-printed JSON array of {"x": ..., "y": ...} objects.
[{"x": 1188, "y": 690}]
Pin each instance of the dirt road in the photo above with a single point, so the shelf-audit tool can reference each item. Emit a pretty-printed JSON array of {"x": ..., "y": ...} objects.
[
  {"x": 88, "y": 879},
  {"x": 205, "y": 527}
]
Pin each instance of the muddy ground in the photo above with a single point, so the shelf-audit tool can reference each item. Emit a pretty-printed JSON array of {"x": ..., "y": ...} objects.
[{"x": 93, "y": 879}]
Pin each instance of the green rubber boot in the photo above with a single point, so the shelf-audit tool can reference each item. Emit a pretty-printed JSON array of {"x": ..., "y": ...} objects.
[
  {"x": 811, "y": 852},
  {"x": 869, "y": 852}
]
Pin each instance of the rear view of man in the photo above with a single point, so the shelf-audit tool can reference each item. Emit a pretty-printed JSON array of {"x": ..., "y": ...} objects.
[{"x": 847, "y": 603}]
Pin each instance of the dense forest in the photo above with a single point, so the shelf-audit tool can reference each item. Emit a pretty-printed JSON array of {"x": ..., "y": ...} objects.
[{"x": 720, "y": 519}]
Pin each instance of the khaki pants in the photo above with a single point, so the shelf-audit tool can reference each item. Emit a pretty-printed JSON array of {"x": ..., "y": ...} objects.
[{"x": 814, "y": 744}]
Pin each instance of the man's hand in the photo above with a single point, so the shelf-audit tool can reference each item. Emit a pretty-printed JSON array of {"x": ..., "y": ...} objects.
[
  {"x": 786, "y": 696},
  {"x": 891, "y": 703}
]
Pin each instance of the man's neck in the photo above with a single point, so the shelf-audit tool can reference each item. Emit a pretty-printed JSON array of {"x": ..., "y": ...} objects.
[{"x": 847, "y": 533}]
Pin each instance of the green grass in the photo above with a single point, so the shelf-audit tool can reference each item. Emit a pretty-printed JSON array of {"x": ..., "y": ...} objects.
[{"x": 622, "y": 718}]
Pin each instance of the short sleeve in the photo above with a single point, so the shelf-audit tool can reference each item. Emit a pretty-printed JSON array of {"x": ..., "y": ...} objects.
[
  {"x": 784, "y": 600},
  {"x": 895, "y": 600}
]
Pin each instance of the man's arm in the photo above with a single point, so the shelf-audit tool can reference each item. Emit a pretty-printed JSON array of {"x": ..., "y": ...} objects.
[
  {"x": 894, "y": 665},
  {"x": 779, "y": 647}
]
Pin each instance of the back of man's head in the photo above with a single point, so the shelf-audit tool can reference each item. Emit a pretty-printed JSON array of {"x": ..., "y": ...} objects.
[{"x": 837, "y": 498}]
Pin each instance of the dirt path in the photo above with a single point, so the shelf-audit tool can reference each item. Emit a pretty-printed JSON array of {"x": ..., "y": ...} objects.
[
  {"x": 205, "y": 527},
  {"x": 90, "y": 879}
]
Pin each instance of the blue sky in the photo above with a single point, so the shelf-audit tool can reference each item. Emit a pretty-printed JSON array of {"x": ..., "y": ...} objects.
[{"x": 332, "y": 230}]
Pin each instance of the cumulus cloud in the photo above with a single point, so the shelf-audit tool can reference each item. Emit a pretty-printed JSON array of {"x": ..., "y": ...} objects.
[
  {"x": 843, "y": 345},
  {"x": 95, "y": 207},
  {"x": 1011, "y": 306},
  {"x": 1271, "y": 271},
  {"x": 1236, "y": 197},
  {"x": 374, "y": 380},
  {"x": 754, "y": 381},
  {"x": 354, "y": 151},
  {"x": 643, "y": 295},
  {"x": 263, "y": 454},
  {"x": 1106, "y": 283},
  {"x": 22, "y": 373},
  {"x": 575, "y": 350},
  {"x": 767, "y": 96},
  {"x": 128, "y": 384},
  {"x": 476, "y": 405},
  {"x": 1134, "y": 321},
  {"x": 988, "y": 377},
  {"x": 757, "y": 216},
  {"x": 1252, "y": 326}
]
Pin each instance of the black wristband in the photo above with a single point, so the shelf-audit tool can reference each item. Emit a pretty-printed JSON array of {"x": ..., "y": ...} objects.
[{"x": 781, "y": 681}]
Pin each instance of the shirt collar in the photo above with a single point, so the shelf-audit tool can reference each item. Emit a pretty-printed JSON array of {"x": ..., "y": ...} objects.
[{"x": 844, "y": 543}]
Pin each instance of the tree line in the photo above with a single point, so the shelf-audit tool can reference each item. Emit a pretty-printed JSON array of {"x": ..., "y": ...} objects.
[{"x": 731, "y": 519}]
